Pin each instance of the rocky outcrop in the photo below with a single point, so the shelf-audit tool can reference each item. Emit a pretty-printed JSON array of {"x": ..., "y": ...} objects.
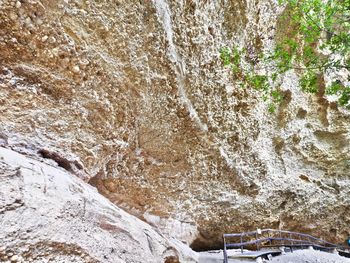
[
  {"x": 132, "y": 97},
  {"x": 47, "y": 214}
]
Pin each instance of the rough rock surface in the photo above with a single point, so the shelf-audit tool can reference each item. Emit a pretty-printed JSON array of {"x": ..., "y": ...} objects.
[
  {"x": 48, "y": 215},
  {"x": 131, "y": 95}
]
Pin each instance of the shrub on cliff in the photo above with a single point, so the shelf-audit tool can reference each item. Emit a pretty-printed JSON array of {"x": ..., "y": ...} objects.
[{"x": 314, "y": 42}]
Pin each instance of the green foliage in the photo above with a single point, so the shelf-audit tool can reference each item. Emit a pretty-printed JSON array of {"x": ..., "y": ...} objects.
[
  {"x": 225, "y": 55},
  {"x": 343, "y": 92},
  {"x": 317, "y": 43},
  {"x": 308, "y": 82}
]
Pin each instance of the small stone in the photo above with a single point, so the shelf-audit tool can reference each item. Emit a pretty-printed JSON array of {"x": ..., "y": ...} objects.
[
  {"x": 84, "y": 62},
  {"x": 39, "y": 22},
  {"x": 2, "y": 249},
  {"x": 28, "y": 21},
  {"x": 52, "y": 40},
  {"x": 13, "y": 16},
  {"x": 18, "y": 4},
  {"x": 21, "y": 12},
  {"x": 76, "y": 69},
  {"x": 65, "y": 62},
  {"x": 14, "y": 258},
  {"x": 44, "y": 38},
  {"x": 55, "y": 51}
]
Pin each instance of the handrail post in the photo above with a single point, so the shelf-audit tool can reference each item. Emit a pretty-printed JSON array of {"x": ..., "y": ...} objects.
[
  {"x": 258, "y": 232},
  {"x": 281, "y": 241},
  {"x": 310, "y": 242},
  {"x": 242, "y": 243},
  {"x": 225, "y": 252}
]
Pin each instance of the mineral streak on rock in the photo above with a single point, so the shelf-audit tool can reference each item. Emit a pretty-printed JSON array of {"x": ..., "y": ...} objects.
[{"x": 135, "y": 94}]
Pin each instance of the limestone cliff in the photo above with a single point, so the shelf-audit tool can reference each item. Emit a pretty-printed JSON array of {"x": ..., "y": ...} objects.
[
  {"x": 48, "y": 215},
  {"x": 132, "y": 97}
]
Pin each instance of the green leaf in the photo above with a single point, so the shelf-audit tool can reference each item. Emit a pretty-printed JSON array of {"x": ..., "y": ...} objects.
[
  {"x": 345, "y": 97},
  {"x": 225, "y": 55},
  {"x": 308, "y": 82},
  {"x": 334, "y": 88},
  {"x": 271, "y": 108}
]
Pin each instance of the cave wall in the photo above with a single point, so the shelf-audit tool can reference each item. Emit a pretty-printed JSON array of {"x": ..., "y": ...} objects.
[{"x": 132, "y": 97}]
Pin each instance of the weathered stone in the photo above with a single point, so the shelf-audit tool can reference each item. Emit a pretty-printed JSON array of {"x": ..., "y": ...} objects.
[
  {"x": 157, "y": 124},
  {"x": 14, "y": 258},
  {"x": 67, "y": 217}
]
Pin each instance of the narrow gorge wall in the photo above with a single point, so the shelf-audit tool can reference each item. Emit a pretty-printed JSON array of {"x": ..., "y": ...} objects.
[
  {"x": 132, "y": 97},
  {"x": 49, "y": 215}
]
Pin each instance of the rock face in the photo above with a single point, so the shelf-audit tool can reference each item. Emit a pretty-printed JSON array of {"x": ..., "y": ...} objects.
[
  {"x": 49, "y": 215},
  {"x": 132, "y": 97}
]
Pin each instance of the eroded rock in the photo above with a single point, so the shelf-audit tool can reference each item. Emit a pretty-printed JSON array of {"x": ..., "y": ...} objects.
[
  {"x": 50, "y": 215},
  {"x": 135, "y": 92}
]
